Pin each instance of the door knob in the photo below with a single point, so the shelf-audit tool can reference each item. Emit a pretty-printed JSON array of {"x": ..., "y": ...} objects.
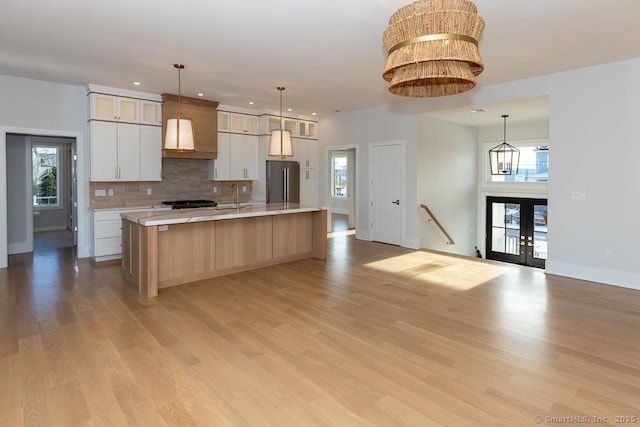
[{"x": 397, "y": 202}]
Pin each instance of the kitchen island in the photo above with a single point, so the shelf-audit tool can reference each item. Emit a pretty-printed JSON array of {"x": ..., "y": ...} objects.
[{"x": 162, "y": 249}]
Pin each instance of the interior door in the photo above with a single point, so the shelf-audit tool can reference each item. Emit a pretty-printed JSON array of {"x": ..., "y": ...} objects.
[
  {"x": 386, "y": 182},
  {"x": 351, "y": 188},
  {"x": 74, "y": 194},
  {"x": 517, "y": 230}
]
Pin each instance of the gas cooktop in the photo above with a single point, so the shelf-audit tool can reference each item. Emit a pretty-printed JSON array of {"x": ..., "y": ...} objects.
[{"x": 185, "y": 204}]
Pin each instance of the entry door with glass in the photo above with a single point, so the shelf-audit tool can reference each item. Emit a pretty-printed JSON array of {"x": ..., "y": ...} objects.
[{"x": 517, "y": 230}]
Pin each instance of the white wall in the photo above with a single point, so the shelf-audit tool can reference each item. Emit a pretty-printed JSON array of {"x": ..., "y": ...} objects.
[
  {"x": 360, "y": 128},
  {"x": 594, "y": 134},
  {"x": 44, "y": 108},
  {"x": 18, "y": 237},
  {"x": 447, "y": 184}
]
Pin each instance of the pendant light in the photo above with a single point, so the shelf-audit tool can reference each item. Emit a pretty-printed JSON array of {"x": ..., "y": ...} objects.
[
  {"x": 504, "y": 159},
  {"x": 281, "y": 144},
  {"x": 432, "y": 48},
  {"x": 179, "y": 134}
]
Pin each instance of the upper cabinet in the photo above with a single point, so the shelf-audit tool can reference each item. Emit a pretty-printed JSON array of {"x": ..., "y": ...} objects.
[
  {"x": 204, "y": 118},
  {"x": 114, "y": 108},
  {"x": 243, "y": 123},
  {"x": 307, "y": 129},
  {"x": 150, "y": 112},
  {"x": 270, "y": 123},
  {"x": 125, "y": 135}
]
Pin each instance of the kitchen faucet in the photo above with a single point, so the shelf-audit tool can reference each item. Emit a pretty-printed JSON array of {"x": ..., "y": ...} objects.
[{"x": 235, "y": 194}]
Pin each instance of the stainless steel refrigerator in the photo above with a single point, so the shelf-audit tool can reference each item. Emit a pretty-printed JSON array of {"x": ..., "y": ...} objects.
[{"x": 283, "y": 181}]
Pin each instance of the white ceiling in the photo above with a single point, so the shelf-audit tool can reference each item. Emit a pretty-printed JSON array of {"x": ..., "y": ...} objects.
[{"x": 328, "y": 53}]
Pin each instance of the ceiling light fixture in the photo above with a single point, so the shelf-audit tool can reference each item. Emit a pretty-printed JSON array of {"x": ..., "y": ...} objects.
[
  {"x": 504, "y": 159},
  {"x": 179, "y": 134},
  {"x": 281, "y": 144},
  {"x": 432, "y": 48}
]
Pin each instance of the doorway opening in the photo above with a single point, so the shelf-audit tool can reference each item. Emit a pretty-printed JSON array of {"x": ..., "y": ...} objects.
[
  {"x": 517, "y": 230},
  {"x": 41, "y": 202},
  {"x": 342, "y": 197}
]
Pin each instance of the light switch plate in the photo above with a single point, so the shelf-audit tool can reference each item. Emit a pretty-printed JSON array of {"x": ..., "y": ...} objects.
[{"x": 100, "y": 193}]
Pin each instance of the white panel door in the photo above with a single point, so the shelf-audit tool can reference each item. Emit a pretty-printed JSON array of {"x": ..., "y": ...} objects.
[{"x": 387, "y": 166}]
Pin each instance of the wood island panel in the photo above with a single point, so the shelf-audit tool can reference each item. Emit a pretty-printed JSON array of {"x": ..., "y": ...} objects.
[
  {"x": 187, "y": 250},
  {"x": 158, "y": 256},
  {"x": 292, "y": 234},
  {"x": 243, "y": 241}
]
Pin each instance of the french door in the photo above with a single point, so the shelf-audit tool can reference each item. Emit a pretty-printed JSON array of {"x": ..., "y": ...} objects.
[{"x": 517, "y": 230}]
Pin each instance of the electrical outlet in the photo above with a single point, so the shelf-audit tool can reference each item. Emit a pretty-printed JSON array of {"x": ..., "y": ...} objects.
[
  {"x": 149, "y": 191},
  {"x": 578, "y": 195},
  {"x": 110, "y": 192},
  {"x": 215, "y": 189},
  {"x": 100, "y": 193},
  {"x": 244, "y": 188},
  {"x": 608, "y": 255}
]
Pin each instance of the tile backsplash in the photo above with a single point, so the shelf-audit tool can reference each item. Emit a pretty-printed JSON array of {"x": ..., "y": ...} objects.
[{"x": 181, "y": 179}]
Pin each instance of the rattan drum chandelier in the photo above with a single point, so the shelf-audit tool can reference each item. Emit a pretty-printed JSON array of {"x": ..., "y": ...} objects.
[{"x": 432, "y": 48}]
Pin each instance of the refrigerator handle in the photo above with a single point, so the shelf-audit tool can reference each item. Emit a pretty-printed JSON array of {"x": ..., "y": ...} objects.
[{"x": 286, "y": 184}]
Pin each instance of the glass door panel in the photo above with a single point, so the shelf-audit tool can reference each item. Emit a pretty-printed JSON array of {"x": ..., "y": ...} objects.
[{"x": 517, "y": 230}]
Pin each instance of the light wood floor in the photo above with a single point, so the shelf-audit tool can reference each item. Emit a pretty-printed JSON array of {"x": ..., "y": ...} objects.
[{"x": 375, "y": 336}]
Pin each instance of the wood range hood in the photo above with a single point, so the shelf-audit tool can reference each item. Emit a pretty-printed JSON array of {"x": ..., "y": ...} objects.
[{"x": 204, "y": 117}]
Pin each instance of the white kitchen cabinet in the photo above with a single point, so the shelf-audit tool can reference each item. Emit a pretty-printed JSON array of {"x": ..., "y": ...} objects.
[
  {"x": 223, "y": 121},
  {"x": 237, "y": 160},
  {"x": 243, "y": 159},
  {"x": 306, "y": 152},
  {"x": 150, "y": 112},
  {"x": 307, "y": 129},
  {"x": 114, "y": 108},
  {"x": 219, "y": 168},
  {"x": 115, "y": 151},
  {"x": 243, "y": 123},
  {"x": 150, "y": 153},
  {"x": 106, "y": 232},
  {"x": 308, "y": 187},
  {"x": 271, "y": 123}
]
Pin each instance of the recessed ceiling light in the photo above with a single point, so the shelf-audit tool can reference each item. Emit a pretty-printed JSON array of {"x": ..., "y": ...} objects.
[
  {"x": 250, "y": 102},
  {"x": 313, "y": 114},
  {"x": 478, "y": 110},
  {"x": 289, "y": 109},
  {"x": 136, "y": 83},
  {"x": 201, "y": 94}
]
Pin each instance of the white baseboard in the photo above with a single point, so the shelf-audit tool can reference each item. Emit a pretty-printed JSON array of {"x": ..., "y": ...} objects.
[
  {"x": 623, "y": 279},
  {"x": 51, "y": 228},
  {"x": 340, "y": 211},
  {"x": 18, "y": 248}
]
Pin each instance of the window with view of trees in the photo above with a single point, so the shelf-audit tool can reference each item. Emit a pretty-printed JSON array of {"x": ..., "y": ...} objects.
[
  {"x": 45, "y": 161},
  {"x": 339, "y": 174},
  {"x": 534, "y": 165}
]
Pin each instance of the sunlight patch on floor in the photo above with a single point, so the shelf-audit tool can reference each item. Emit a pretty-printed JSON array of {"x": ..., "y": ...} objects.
[
  {"x": 341, "y": 233},
  {"x": 452, "y": 272}
]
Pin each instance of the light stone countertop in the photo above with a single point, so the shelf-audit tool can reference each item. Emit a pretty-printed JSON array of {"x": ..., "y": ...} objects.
[{"x": 181, "y": 216}]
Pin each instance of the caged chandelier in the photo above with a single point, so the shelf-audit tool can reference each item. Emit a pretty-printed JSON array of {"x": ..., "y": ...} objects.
[
  {"x": 432, "y": 48},
  {"x": 504, "y": 159}
]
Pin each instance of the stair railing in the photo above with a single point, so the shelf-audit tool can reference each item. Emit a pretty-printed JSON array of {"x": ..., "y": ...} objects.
[{"x": 435, "y": 220}]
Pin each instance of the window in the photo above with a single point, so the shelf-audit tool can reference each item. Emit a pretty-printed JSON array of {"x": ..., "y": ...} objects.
[
  {"x": 45, "y": 161},
  {"x": 534, "y": 165},
  {"x": 339, "y": 175}
]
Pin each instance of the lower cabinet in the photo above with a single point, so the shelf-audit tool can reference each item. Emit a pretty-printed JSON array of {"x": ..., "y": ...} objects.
[{"x": 106, "y": 233}]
